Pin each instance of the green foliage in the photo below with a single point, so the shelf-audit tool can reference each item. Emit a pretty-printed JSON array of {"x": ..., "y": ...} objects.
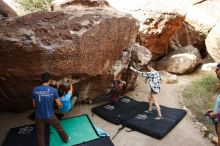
[
  {"x": 33, "y": 5},
  {"x": 200, "y": 95}
]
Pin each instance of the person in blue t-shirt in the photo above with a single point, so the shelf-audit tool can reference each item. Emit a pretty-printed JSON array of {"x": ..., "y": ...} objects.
[
  {"x": 65, "y": 94},
  {"x": 43, "y": 97}
]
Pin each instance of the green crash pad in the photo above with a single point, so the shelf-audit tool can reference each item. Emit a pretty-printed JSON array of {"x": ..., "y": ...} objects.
[{"x": 79, "y": 129}]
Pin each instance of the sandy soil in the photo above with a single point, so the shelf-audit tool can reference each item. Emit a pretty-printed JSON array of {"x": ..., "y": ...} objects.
[{"x": 184, "y": 134}]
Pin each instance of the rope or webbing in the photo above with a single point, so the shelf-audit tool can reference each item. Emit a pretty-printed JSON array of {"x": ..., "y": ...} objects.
[{"x": 119, "y": 130}]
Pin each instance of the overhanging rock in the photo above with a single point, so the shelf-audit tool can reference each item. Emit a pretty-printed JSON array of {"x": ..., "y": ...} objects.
[{"x": 81, "y": 43}]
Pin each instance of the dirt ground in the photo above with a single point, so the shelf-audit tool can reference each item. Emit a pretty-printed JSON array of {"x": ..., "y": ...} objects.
[{"x": 184, "y": 134}]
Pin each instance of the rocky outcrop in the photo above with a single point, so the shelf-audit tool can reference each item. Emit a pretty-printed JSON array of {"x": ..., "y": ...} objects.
[
  {"x": 200, "y": 17},
  {"x": 82, "y": 44},
  {"x": 140, "y": 55},
  {"x": 196, "y": 28},
  {"x": 187, "y": 35},
  {"x": 181, "y": 61},
  {"x": 6, "y": 10},
  {"x": 203, "y": 15},
  {"x": 213, "y": 42},
  {"x": 156, "y": 31},
  {"x": 159, "y": 20},
  {"x": 78, "y": 4}
]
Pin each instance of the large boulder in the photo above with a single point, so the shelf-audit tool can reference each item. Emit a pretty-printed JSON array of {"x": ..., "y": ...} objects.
[
  {"x": 181, "y": 61},
  {"x": 155, "y": 32},
  {"x": 213, "y": 42},
  {"x": 82, "y": 44}
]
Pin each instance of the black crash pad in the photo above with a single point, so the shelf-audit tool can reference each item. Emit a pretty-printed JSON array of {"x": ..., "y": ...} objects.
[
  {"x": 84, "y": 134},
  {"x": 120, "y": 111},
  {"x": 132, "y": 114},
  {"x": 24, "y": 136},
  {"x": 146, "y": 123}
]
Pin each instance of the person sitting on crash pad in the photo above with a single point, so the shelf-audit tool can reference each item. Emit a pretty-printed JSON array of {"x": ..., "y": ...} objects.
[{"x": 65, "y": 93}]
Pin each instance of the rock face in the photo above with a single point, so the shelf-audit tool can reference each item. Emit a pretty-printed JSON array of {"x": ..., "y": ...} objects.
[
  {"x": 203, "y": 15},
  {"x": 187, "y": 35},
  {"x": 181, "y": 61},
  {"x": 6, "y": 10},
  {"x": 82, "y": 44},
  {"x": 200, "y": 17},
  {"x": 196, "y": 28},
  {"x": 213, "y": 42},
  {"x": 140, "y": 56},
  {"x": 159, "y": 20},
  {"x": 157, "y": 30}
]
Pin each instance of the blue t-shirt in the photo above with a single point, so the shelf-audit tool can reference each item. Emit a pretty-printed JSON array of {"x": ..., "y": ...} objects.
[
  {"x": 44, "y": 97},
  {"x": 66, "y": 102}
]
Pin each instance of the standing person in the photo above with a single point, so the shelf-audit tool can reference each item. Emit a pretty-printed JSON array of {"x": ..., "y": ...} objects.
[
  {"x": 153, "y": 78},
  {"x": 65, "y": 94},
  {"x": 215, "y": 113},
  {"x": 43, "y": 97}
]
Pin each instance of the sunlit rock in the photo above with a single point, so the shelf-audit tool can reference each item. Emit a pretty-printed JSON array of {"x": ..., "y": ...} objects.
[{"x": 213, "y": 42}]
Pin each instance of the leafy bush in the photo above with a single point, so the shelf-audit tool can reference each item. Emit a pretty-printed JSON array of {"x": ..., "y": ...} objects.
[
  {"x": 200, "y": 95},
  {"x": 27, "y": 6}
]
